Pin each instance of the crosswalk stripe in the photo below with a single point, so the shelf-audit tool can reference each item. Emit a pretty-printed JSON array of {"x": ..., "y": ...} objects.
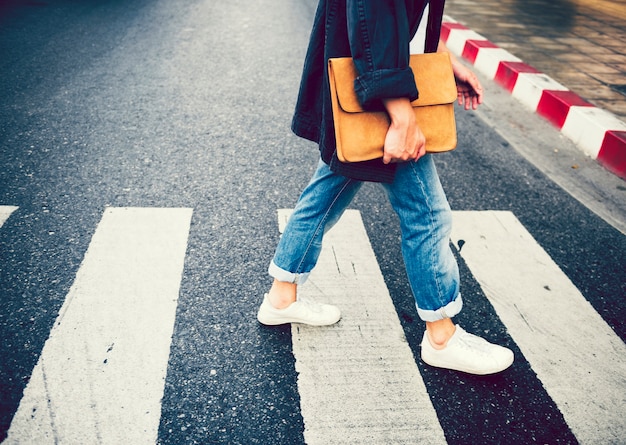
[
  {"x": 578, "y": 358},
  {"x": 5, "y": 212},
  {"x": 358, "y": 380},
  {"x": 101, "y": 374}
]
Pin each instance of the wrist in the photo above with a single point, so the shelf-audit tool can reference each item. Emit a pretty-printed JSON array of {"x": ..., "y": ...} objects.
[{"x": 400, "y": 111}]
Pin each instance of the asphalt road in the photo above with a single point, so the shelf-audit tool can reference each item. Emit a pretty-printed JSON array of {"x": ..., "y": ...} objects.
[{"x": 188, "y": 104}]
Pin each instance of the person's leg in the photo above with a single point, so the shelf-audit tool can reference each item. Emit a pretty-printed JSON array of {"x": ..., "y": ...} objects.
[
  {"x": 319, "y": 207},
  {"x": 426, "y": 221}
]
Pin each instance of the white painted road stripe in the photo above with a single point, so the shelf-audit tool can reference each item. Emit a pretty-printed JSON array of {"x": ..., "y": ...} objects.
[
  {"x": 101, "y": 374},
  {"x": 358, "y": 380},
  {"x": 576, "y": 355},
  {"x": 5, "y": 212}
]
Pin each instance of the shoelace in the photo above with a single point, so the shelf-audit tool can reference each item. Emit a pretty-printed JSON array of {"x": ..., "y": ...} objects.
[
  {"x": 473, "y": 342},
  {"x": 310, "y": 304}
]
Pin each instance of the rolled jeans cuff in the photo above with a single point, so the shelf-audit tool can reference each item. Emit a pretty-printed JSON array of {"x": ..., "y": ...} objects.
[
  {"x": 448, "y": 311},
  {"x": 285, "y": 276}
]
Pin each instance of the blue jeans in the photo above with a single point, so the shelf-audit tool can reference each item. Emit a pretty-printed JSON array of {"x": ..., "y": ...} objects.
[{"x": 425, "y": 221}]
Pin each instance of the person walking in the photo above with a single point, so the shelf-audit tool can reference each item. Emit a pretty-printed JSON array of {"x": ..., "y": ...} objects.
[{"x": 377, "y": 35}]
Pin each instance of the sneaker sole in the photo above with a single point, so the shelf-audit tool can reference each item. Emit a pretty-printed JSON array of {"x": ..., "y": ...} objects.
[
  {"x": 280, "y": 321},
  {"x": 488, "y": 371}
]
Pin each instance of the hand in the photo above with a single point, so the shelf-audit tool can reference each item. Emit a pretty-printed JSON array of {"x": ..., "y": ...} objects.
[
  {"x": 404, "y": 141},
  {"x": 468, "y": 87}
]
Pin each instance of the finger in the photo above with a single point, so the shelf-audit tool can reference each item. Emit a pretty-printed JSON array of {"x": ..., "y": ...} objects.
[
  {"x": 473, "y": 81},
  {"x": 478, "y": 89},
  {"x": 421, "y": 152},
  {"x": 468, "y": 99},
  {"x": 461, "y": 96}
]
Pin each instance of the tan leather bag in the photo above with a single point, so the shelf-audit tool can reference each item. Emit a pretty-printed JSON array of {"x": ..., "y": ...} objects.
[{"x": 361, "y": 135}]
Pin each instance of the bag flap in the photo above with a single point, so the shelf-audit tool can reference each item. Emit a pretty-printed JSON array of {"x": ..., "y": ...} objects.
[{"x": 433, "y": 76}]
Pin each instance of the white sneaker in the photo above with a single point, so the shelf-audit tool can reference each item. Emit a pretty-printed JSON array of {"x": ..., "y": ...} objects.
[
  {"x": 303, "y": 310},
  {"x": 468, "y": 353}
]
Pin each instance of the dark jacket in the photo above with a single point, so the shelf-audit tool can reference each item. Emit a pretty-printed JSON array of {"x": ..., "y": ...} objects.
[{"x": 376, "y": 33}]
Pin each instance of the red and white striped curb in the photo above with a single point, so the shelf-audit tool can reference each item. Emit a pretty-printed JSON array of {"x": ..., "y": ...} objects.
[{"x": 598, "y": 133}]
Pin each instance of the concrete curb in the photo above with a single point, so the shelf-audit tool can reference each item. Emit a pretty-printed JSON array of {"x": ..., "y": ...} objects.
[{"x": 598, "y": 133}]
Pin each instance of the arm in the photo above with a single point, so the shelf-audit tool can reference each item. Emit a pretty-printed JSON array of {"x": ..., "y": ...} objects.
[
  {"x": 379, "y": 41},
  {"x": 405, "y": 141},
  {"x": 378, "y": 34}
]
